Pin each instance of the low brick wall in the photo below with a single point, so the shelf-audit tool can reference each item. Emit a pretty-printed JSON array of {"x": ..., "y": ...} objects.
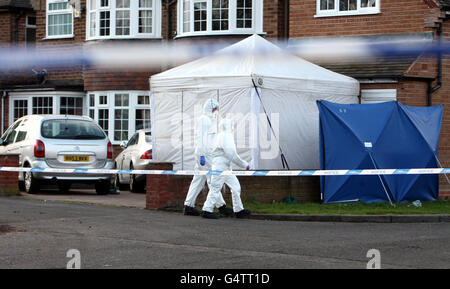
[
  {"x": 168, "y": 191},
  {"x": 9, "y": 180},
  {"x": 444, "y": 195}
]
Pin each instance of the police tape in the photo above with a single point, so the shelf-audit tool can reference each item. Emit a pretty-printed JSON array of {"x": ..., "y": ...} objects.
[{"x": 352, "y": 172}]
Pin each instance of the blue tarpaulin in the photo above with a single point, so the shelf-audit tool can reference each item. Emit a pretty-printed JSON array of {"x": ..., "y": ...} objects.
[{"x": 386, "y": 135}]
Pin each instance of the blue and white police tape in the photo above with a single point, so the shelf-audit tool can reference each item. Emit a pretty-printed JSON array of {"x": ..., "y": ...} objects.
[{"x": 358, "y": 172}]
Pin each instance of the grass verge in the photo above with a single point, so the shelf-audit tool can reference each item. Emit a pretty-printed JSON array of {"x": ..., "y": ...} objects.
[{"x": 429, "y": 207}]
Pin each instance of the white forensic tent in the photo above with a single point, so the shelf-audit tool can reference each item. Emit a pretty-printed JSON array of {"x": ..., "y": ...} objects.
[{"x": 255, "y": 82}]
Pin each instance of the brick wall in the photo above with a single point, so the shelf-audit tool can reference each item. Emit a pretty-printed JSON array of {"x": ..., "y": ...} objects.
[
  {"x": 9, "y": 180},
  {"x": 402, "y": 16},
  {"x": 168, "y": 191},
  {"x": 66, "y": 44},
  {"x": 6, "y": 27}
]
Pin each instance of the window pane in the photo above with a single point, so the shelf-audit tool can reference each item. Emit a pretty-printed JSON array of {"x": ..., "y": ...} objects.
[
  {"x": 102, "y": 99},
  {"x": 200, "y": 16},
  {"x": 142, "y": 118},
  {"x": 145, "y": 3},
  {"x": 92, "y": 24},
  {"x": 121, "y": 100},
  {"x": 59, "y": 24},
  {"x": 103, "y": 3},
  {"x": 103, "y": 119},
  {"x": 71, "y": 105},
  {"x": 368, "y": 3},
  {"x": 123, "y": 22},
  {"x": 143, "y": 99},
  {"x": 219, "y": 13},
  {"x": 91, "y": 99},
  {"x": 145, "y": 21},
  {"x": 104, "y": 23},
  {"x": 123, "y": 3},
  {"x": 20, "y": 108},
  {"x": 244, "y": 14},
  {"x": 347, "y": 5},
  {"x": 121, "y": 124},
  {"x": 186, "y": 16},
  {"x": 31, "y": 20},
  {"x": 42, "y": 105}
]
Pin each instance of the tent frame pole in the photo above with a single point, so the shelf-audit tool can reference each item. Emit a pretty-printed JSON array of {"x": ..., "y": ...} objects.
[
  {"x": 283, "y": 158},
  {"x": 381, "y": 180}
]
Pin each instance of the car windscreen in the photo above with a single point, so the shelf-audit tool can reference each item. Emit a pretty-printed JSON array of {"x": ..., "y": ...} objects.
[
  {"x": 71, "y": 129},
  {"x": 148, "y": 137}
]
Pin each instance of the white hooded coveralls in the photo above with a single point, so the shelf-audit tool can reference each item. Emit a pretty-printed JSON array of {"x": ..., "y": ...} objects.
[
  {"x": 223, "y": 156},
  {"x": 206, "y": 133}
]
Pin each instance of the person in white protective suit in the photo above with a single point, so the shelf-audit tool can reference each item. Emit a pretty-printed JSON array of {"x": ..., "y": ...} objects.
[
  {"x": 224, "y": 155},
  {"x": 206, "y": 133}
]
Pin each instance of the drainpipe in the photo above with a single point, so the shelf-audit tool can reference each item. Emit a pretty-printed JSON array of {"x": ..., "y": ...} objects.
[
  {"x": 17, "y": 19},
  {"x": 3, "y": 111},
  {"x": 286, "y": 21},
  {"x": 438, "y": 85}
]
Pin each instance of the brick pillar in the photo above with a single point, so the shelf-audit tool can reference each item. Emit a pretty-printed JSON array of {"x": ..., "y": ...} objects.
[
  {"x": 161, "y": 190},
  {"x": 9, "y": 180}
]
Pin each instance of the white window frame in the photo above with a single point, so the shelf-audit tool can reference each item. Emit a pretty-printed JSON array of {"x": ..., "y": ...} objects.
[
  {"x": 55, "y": 95},
  {"x": 134, "y": 21},
  {"x": 378, "y": 95},
  {"x": 257, "y": 20},
  {"x": 69, "y": 10},
  {"x": 358, "y": 11},
  {"x": 132, "y": 106}
]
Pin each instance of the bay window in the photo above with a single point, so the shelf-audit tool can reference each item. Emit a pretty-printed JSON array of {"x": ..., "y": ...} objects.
[
  {"x": 120, "y": 113},
  {"x": 123, "y": 19},
  {"x": 63, "y": 102},
  {"x": 218, "y": 17},
  {"x": 347, "y": 7}
]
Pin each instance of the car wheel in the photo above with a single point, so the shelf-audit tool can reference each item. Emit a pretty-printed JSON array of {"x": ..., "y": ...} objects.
[
  {"x": 135, "y": 186},
  {"x": 31, "y": 184},
  {"x": 102, "y": 187},
  {"x": 22, "y": 184}
]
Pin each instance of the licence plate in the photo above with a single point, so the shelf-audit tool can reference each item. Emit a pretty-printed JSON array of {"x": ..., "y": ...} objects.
[{"x": 76, "y": 158}]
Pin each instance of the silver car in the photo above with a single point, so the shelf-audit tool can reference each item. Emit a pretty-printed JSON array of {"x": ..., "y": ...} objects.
[
  {"x": 137, "y": 154},
  {"x": 58, "y": 141}
]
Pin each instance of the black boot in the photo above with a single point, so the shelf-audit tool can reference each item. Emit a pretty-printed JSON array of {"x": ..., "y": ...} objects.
[
  {"x": 226, "y": 212},
  {"x": 243, "y": 214},
  {"x": 191, "y": 211},
  {"x": 209, "y": 215}
]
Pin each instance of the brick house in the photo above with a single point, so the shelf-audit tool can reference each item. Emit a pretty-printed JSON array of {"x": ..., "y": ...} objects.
[
  {"x": 419, "y": 80},
  {"x": 119, "y": 100}
]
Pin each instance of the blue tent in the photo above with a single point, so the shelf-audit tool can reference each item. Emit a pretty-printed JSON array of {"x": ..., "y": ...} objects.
[{"x": 386, "y": 135}]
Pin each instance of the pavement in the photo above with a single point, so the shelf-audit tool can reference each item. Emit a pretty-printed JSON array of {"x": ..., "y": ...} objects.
[
  {"x": 137, "y": 200},
  {"x": 38, "y": 234}
]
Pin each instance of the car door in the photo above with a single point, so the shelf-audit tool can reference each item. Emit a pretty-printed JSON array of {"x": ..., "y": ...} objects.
[
  {"x": 127, "y": 156},
  {"x": 17, "y": 147},
  {"x": 11, "y": 146}
]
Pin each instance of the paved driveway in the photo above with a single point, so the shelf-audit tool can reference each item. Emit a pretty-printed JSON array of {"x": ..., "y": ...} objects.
[
  {"x": 38, "y": 234},
  {"x": 125, "y": 198}
]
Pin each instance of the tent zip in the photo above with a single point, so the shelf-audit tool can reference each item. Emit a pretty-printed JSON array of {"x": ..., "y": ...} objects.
[{"x": 283, "y": 158}]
